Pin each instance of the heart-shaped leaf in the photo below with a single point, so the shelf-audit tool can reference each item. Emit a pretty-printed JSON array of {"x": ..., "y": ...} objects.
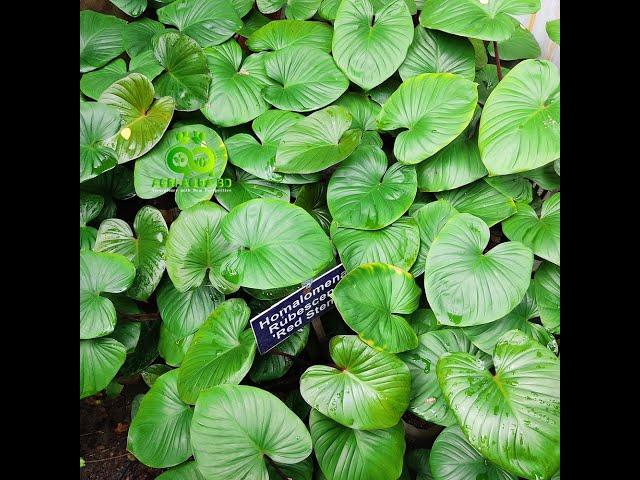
[
  {"x": 146, "y": 64},
  {"x": 100, "y": 360},
  {"x": 280, "y": 34},
  {"x": 396, "y": 244},
  {"x": 369, "y": 45},
  {"x": 515, "y": 186},
  {"x": 98, "y": 123},
  {"x": 195, "y": 245},
  {"x": 305, "y": 79},
  {"x": 187, "y": 77},
  {"x": 100, "y": 273},
  {"x": 364, "y": 194},
  {"x": 553, "y": 30},
  {"x": 221, "y": 352},
  {"x": 369, "y": 390},
  {"x": 427, "y": 401},
  {"x": 236, "y": 84},
  {"x": 208, "y": 22},
  {"x": 542, "y": 234},
  {"x": 520, "y": 123},
  {"x": 547, "y": 294},
  {"x": 245, "y": 187},
  {"x": 92, "y": 84},
  {"x": 273, "y": 244},
  {"x": 483, "y": 19},
  {"x": 434, "y": 107},
  {"x": 164, "y": 419},
  {"x": 100, "y": 39},
  {"x": 143, "y": 120},
  {"x": 364, "y": 112},
  {"x": 453, "y": 458},
  {"x": 133, "y": 8},
  {"x": 521, "y": 44},
  {"x": 273, "y": 366},
  {"x": 313, "y": 198},
  {"x": 229, "y": 419},
  {"x": 346, "y": 454},
  {"x": 185, "y": 471},
  {"x": 295, "y": 9},
  {"x": 171, "y": 348},
  {"x": 513, "y": 417},
  {"x": 371, "y": 299},
  {"x": 137, "y": 36},
  {"x": 433, "y": 52},
  {"x": 317, "y": 142},
  {"x": 460, "y": 280}
]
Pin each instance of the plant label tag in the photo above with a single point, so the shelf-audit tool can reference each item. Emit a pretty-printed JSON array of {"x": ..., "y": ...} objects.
[{"x": 283, "y": 319}]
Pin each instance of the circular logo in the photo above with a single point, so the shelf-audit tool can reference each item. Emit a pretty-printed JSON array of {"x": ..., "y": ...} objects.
[
  {"x": 203, "y": 160},
  {"x": 179, "y": 159}
]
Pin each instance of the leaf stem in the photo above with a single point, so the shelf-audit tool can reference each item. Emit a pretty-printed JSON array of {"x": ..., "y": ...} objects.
[
  {"x": 497, "y": 56},
  {"x": 277, "y": 469}
]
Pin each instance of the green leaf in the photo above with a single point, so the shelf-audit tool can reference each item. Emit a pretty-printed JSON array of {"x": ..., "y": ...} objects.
[
  {"x": 516, "y": 187},
  {"x": 195, "y": 245},
  {"x": 553, "y": 30},
  {"x": 242, "y": 7},
  {"x": 87, "y": 238},
  {"x": 487, "y": 79},
  {"x": 128, "y": 334},
  {"x": 208, "y": 22},
  {"x": 221, "y": 352},
  {"x": 481, "y": 200},
  {"x": 363, "y": 116},
  {"x": 346, "y": 454},
  {"x": 245, "y": 187},
  {"x": 368, "y": 390},
  {"x": 280, "y": 34},
  {"x": 513, "y": 417},
  {"x": 146, "y": 64},
  {"x": 273, "y": 244},
  {"x": 98, "y": 123},
  {"x": 370, "y": 47},
  {"x": 418, "y": 461},
  {"x": 99, "y": 273},
  {"x": 364, "y": 194},
  {"x": 521, "y": 44},
  {"x": 423, "y": 320},
  {"x": 427, "y": 401},
  {"x": 152, "y": 372},
  {"x": 295, "y": 9},
  {"x": 173, "y": 349},
  {"x": 435, "y": 52},
  {"x": 316, "y": 142},
  {"x": 396, "y": 244},
  {"x": 229, "y": 419},
  {"x": 187, "y": 77},
  {"x": 486, "y": 19},
  {"x": 328, "y": 9},
  {"x": 313, "y": 198},
  {"x": 520, "y": 123},
  {"x": 145, "y": 248},
  {"x": 153, "y": 175},
  {"x": 480, "y": 52},
  {"x": 453, "y": 458},
  {"x": 272, "y": 366},
  {"x": 146, "y": 350},
  {"x": 100, "y": 39},
  {"x": 297, "y": 404},
  {"x": 371, "y": 299},
  {"x": 185, "y": 471},
  {"x": 90, "y": 206},
  {"x": 253, "y": 22},
  {"x": 434, "y": 107},
  {"x": 133, "y": 8},
  {"x": 143, "y": 120},
  {"x": 92, "y": 84},
  {"x": 542, "y": 235},
  {"x": 547, "y": 177},
  {"x": 137, "y": 36},
  {"x": 547, "y": 293},
  {"x": 184, "y": 312},
  {"x": 305, "y": 79},
  {"x": 430, "y": 219},
  {"x": 159, "y": 434},
  {"x": 460, "y": 280},
  {"x": 234, "y": 97},
  {"x": 302, "y": 470},
  {"x": 100, "y": 360}
]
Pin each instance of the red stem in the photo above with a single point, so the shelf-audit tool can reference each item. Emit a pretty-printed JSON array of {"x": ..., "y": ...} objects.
[{"x": 497, "y": 55}]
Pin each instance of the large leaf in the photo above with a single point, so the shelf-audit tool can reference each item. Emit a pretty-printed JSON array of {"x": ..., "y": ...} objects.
[
  {"x": 159, "y": 434},
  {"x": 221, "y": 352},
  {"x": 368, "y": 390},
  {"x": 294, "y": 9},
  {"x": 137, "y": 36},
  {"x": 370, "y": 46},
  {"x": 145, "y": 248},
  {"x": 245, "y": 187},
  {"x": 184, "y": 471},
  {"x": 273, "y": 244},
  {"x": 547, "y": 177},
  {"x": 305, "y": 79},
  {"x": 371, "y": 299},
  {"x": 487, "y": 79},
  {"x": 100, "y": 273},
  {"x": 363, "y": 193},
  {"x": 433, "y": 52},
  {"x": 465, "y": 286},
  {"x": 514, "y": 186},
  {"x": 363, "y": 116},
  {"x": 133, "y": 8},
  {"x": 427, "y": 401},
  {"x": 547, "y": 294},
  {"x": 542, "y": 234},
  {"x": 171, "y": 348},
  {"x": 313, "y": 198},
  {"x": 208, "y": 22},
  {"x": 92, "y": 84},
  {"x": 280, "y": 34},
  {"x": 231, "y": 419},
  {"x": 316, "y": 142},
  {"x": 452, "y": 458},
  {"x": 100, "y": 360},
  {"x": 434, "y": 107},
  {"x": 98, "y": 123},
  {"x": 553, "y": 30},
  {"x": 187, "y": 78},
  {"x": 513, "y": 417},
  {"x": 273, "y": 366},
  {"x": 253, "y": 22},
  {"x": 396, "y": 244},
  {"x": 520, "y": 124},
  {"x": 521, "y": 44},
  {"x": 100, "y": 39},
  {"x": 235, "y": 97},
  {"x": 143, "y": 120},
  {"x": 346, "y": 454},
  {"x": 483, "y": 19},
  {"x": 146, "y": 64},
  {"x": 195, "y": 245},
  {"x": 90, "y": 206}
]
